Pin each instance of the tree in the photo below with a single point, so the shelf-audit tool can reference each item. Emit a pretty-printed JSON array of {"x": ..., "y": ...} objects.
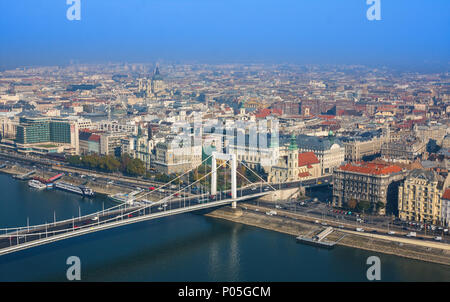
[
  {"x": 363, "y": 205},
  {"x": 352, "y": 203},
  {"x": 380, "y": 205}
]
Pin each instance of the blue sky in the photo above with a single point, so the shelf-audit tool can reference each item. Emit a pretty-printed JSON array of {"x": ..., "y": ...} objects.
[{"x": 411, "y": 32}]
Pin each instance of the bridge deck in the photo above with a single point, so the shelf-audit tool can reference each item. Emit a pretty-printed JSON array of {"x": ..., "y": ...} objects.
[{"x": 44, "y": 234}]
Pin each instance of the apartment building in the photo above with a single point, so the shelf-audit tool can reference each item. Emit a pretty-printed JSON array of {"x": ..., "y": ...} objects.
[
  {"x": 373, "y": 182},
  {"x": 357, "y": 149},
  {"x": 419, "y": 198}
]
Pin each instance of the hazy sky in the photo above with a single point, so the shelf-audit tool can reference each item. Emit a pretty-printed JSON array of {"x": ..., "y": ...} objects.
[{"x": 411, "y": 32}]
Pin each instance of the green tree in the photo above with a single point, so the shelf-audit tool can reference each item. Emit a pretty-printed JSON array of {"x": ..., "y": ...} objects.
[{"x": 363, "y": 205}]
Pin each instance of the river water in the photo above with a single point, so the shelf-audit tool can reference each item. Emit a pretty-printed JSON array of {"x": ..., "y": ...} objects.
[{"x": 188, "y": 247}]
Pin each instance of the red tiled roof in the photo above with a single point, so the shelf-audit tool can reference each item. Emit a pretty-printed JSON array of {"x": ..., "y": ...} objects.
[
  {"x": 371, "y": 168},
  {"x": 307, "y": 159},
  {"x": 446, "y": 194},
  {"x": 304, "y": 174},
  {"x": 266, "y": 112}
]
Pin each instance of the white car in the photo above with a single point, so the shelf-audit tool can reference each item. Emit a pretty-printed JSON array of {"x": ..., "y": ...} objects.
[
  {"x": 359, "y": 230},
  {"x": 391, "y": 232}
]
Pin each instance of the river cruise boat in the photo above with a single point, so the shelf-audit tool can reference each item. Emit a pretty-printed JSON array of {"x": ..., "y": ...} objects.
[
  {"x": 37, "y": 184},
  {"x": 81, "y": 190}
]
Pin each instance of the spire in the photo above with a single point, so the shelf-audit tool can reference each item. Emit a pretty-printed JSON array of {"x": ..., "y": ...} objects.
[{"x": 293, "y": 144}]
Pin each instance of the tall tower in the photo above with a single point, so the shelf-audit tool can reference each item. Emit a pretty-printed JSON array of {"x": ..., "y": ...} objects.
[
  {"x": 292, "y": 158},
  {"x": 157, "y": 81}
]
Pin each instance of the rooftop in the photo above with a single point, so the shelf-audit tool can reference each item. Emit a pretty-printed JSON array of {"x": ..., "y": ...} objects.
[
  {"x": 307, "y": 159},
  {"x": 371, "y": 168}
]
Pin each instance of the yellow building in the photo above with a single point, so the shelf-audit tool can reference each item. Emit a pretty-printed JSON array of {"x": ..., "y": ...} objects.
[{"x": 419, "y": 198}]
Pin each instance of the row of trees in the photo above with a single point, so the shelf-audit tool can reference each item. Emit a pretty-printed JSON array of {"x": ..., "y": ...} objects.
[
  {"x": 364, "y": 205},
  {"x": 109, "y": 163}
]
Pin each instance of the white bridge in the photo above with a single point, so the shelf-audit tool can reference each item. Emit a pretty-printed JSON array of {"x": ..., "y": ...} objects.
[{"x": 168, "y": 202}]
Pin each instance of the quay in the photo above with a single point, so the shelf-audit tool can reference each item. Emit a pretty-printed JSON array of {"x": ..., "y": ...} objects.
[
  {"x": 294, "y": 224},
  {"x": 318, "y": 240}
]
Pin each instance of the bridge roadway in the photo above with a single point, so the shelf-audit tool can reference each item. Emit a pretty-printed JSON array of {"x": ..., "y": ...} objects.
[{"x": 51, "y": 232}]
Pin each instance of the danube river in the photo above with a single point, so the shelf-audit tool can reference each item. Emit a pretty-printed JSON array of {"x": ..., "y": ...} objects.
[{"x": 188, "y": 247}]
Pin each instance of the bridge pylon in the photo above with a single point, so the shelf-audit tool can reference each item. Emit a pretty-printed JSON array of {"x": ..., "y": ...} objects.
[{"x": 232, "y": 158}]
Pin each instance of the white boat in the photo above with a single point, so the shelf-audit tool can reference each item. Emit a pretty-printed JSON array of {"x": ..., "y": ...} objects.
[
  {"x": 81, "y": 190},
  {"x": 37, "y": 184},
  {"x": 122, "y": 198}
]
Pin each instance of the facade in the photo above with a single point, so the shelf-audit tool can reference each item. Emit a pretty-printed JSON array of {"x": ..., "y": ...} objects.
[
  {"x": 419, "y": 198},
  {"x": 372, "y": 182},
  {"x": 115, "y": 126},
  {"x": 331, "y": 155},
  {"x": 143, "y": 149},
  {"x": 434, "y": 131},
  {"x": 170, "y": 158},
  {"x": 89, "y": 142},
  {"x": 408, "y": 148},
  {"x": 287, "y": 168},
  {"x": 356, "y": 150},
  {"x": 445, "y": 205},
  {"x": 34, "y": 132},
  {"x": 110, "y": 143},
  {"x": 294, "y": 166},
  {"x": 8, "y": 127},
  {"x": 262, "y": 153}
]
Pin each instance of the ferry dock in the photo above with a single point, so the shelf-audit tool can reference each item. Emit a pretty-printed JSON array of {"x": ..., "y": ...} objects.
[{"x": 318, "y": 239}]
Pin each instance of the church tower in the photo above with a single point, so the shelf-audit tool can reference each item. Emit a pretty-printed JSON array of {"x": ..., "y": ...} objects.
[{"x": 292, "y": 158}]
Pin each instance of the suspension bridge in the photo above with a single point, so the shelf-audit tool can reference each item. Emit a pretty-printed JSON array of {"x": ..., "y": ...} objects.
[{"x": 167, "y": 201}]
